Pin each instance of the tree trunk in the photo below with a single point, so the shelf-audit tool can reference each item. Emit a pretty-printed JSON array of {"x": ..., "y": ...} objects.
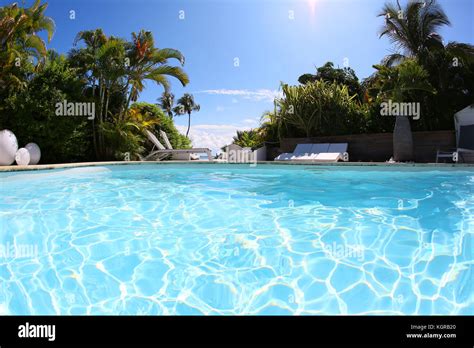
[
  {"x": 402, "y": 140},
  {"x": 105, "y": 117},
  {"x": 189, "y": 124},
  {"x": 101, "y": 119},
  {"x": 94, "y": 135},
  {"x": 122, "y": 111},
  {"x": 122, "y": 117},
  {"x": 107, "y": 105}
]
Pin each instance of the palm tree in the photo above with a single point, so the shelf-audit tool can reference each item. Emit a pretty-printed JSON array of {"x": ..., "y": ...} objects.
[
  {"x": 87, "y": 58},
  {"x": 186, "y": 105},
  {"x": 103, "y": 57},
  {"x": 101, "y": 62},
  {"x": 414, "y": 32},
  {"x": 18, "y": 39},
  {"x": 150, "y": 63},
  {"x": 117, "y": 70},
  {"x": 19, "y": 28},
  {"x": 412, "y": 29},
  {"x": 166, "y": 102}
]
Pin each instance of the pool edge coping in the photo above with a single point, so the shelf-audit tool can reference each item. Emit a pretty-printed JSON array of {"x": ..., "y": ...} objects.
[{"x": 16, "y": 168}]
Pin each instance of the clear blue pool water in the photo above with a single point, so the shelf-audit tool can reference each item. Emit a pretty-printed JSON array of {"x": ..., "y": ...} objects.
[{"x": 232, "y": 239}]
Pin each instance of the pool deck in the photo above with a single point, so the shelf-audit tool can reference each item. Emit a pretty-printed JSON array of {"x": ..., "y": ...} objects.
[{"x": 15, "y": 168}]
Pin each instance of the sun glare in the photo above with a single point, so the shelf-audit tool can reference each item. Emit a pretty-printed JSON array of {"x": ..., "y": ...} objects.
[{"x": 312, "y": 6}]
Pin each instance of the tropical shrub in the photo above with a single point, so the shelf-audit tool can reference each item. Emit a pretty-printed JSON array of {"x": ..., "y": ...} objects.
[
  {"x": 123, "y": 138},
  {"x": 248, "y": 138},
  {"x": 319, "y": 108},
  {"x": 31, "y": 114},
  {"x": 126, "y": 138},
  {"x": 269, "y": 129},
  {"x": 162, "y": 122}
]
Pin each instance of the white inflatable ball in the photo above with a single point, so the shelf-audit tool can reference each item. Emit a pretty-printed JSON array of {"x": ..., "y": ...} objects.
[
  {"x": 22, "y": 157},
  {"x": 8, "y": 147},
  {"x": 35, "y": 152}
]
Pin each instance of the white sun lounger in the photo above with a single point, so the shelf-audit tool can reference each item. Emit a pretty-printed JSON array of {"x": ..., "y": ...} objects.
[
  {"x": 334, "y": 153},
  {"x": 164, "y": 136},
  {"x": 300, "y": 150},
  {"x": 177, "y": 156},
  {"x": 323, "y": 152},
  {"x": 314, "y": 151},
  {"x": 163, "y": 152}
]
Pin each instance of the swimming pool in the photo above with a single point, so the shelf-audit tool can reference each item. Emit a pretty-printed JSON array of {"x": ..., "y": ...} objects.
[{"x": 235, "y": 239}]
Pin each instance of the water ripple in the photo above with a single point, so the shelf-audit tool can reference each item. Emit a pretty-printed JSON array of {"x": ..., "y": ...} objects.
[{"x": 197, "y": 239}]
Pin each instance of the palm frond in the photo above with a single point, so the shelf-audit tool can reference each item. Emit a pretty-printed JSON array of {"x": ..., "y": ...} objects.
[
  {"x": 162, "y": 55},
  {"x": 172, "y": 71},
  {"x": 393, "y": 59}
]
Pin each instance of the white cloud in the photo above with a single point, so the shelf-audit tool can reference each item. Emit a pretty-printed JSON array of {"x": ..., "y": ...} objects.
[
  {"x": 255, "y": 95},
  {"x": 214, "y": 136},
  {"x": 251, "y": 122}
]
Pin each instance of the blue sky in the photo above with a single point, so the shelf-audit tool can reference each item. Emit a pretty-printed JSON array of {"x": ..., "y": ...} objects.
[{"x": 273, "y": 40}]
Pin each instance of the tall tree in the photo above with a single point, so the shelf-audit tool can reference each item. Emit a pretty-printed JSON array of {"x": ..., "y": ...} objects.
[
  {"x": 166, "y": 102},
  {"x": 327, "y": 72},
  {"x": 186, "y": 105},
  {"x": 116, "y": 71},
  {"x": 414, "y": 30},
  {"x": 150, "y": 63},
  {"x": 102, "y": 63}
]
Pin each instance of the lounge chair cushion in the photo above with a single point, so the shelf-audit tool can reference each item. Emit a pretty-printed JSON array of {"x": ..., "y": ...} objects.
[
  {"x": 318, "y": 148},
  {"x": 303, "y": 148}
]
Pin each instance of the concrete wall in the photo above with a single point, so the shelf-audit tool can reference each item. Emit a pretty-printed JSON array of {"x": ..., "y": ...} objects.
[
  {"x": 378, "y": 147},
  {"x": 236, "y": 154}
]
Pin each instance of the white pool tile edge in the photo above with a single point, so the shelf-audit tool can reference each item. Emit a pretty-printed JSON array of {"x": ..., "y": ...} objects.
[{"x": 15, "y": 168}]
